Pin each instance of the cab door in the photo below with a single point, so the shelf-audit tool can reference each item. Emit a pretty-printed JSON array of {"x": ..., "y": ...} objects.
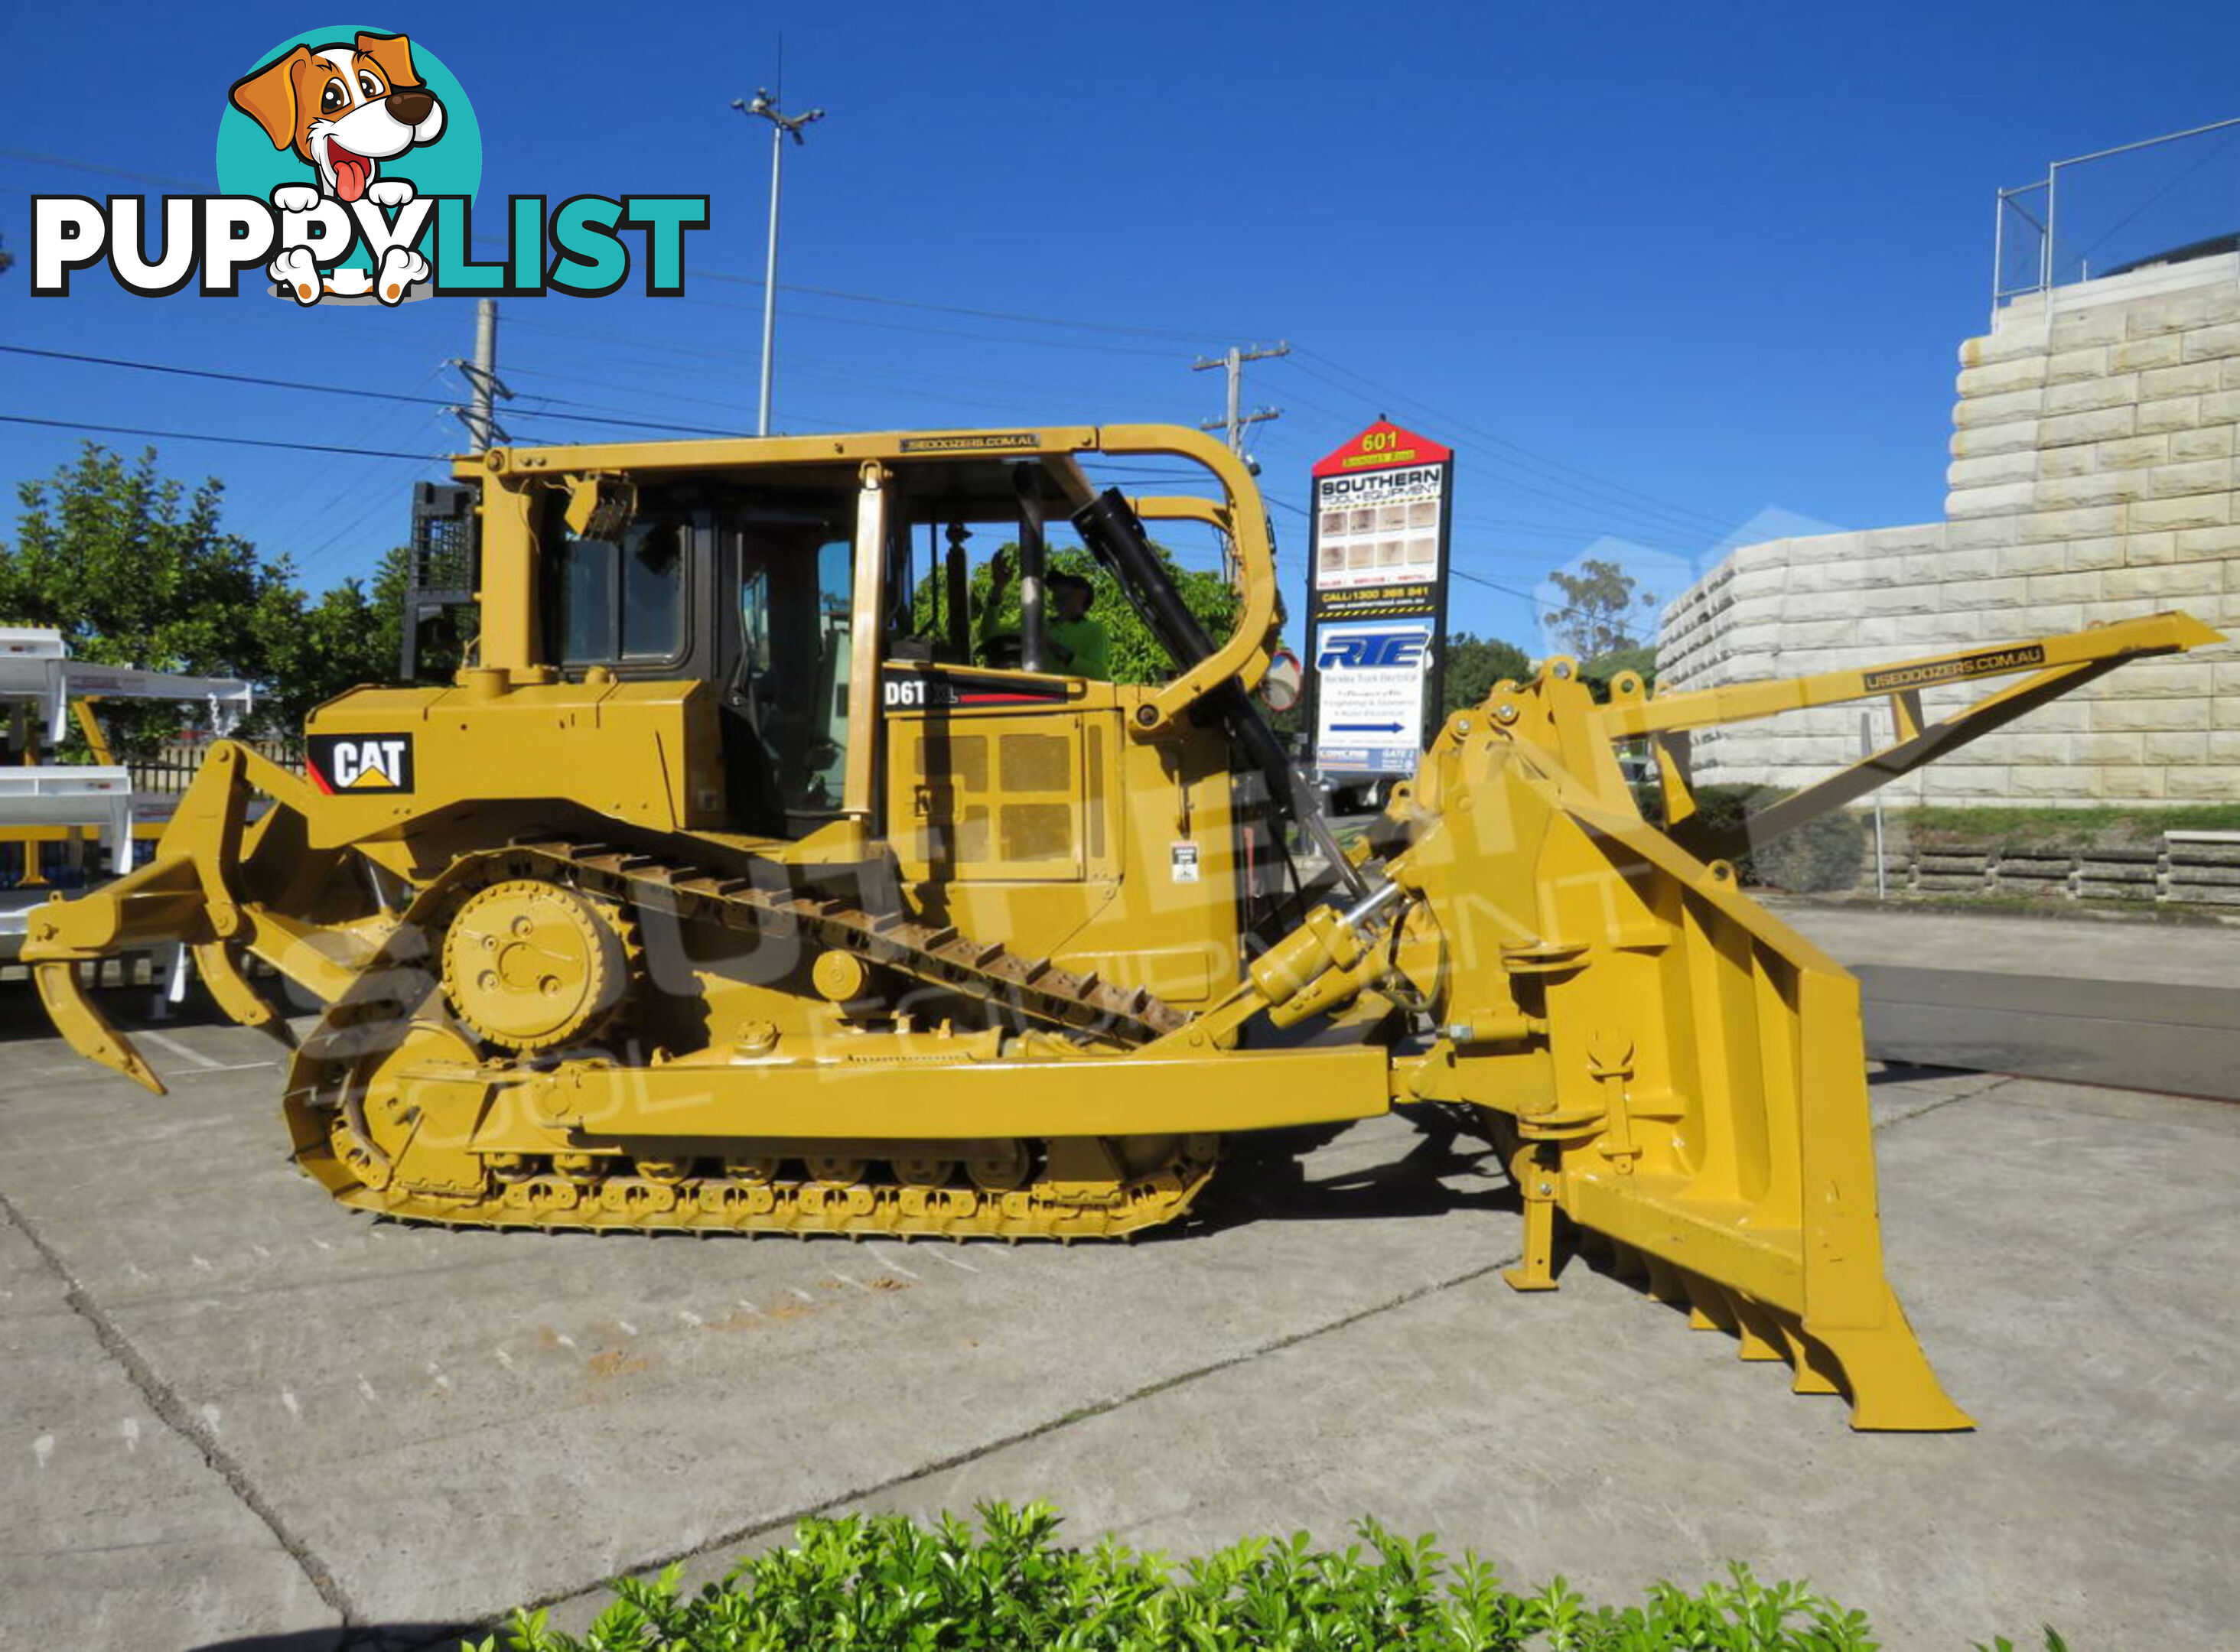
[{"x": 988, "y": 779}]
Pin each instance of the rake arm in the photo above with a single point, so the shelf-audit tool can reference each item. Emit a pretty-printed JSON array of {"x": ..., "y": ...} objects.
[{"x": 185, "y": 896}]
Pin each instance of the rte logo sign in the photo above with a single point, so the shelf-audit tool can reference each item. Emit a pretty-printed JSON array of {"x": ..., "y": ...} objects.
[{"x": 1366, "y": 650}]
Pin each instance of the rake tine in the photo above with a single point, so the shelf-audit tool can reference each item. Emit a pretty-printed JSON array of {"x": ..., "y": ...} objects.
[
  {"x": 1666, "y": 1283},
  {"x": 1816, "y": 1370},
  {"x": 1712, "y": 1311},
  {"x": 1760, "y": 1329}
]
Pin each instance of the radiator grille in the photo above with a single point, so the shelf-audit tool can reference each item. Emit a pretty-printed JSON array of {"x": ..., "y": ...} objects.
[{"x": 1037, "y": 763}]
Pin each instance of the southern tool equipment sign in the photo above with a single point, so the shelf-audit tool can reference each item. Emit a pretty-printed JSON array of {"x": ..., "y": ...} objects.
[{"x": 1376, "y": 606}]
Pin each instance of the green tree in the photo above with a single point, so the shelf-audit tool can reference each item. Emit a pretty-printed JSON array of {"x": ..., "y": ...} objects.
[
  {"x": 442, "y": 639},
  {"x": 351, "y": 637},
  {"x": 1603, "y": 610},
  {"x": 134, "y": 569},
  {"x": 1598, "y": 672},
  {"x": 1135, "y": 654},
  {"x": 1475, "y": 663}
]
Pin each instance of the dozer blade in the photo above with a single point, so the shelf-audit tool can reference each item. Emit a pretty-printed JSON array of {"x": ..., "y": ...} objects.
[
  {"x": 1683, "y": 1076},
  {"x": 1673, "y": 1069},
  {"x": 86, "y": 1029}
]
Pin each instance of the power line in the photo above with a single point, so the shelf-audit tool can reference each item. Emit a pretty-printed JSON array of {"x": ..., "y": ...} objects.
[
  {"x": 1661, "y": 516},
  {"x": 860, "y": 321},
  {"x": 1530, "y": 529},
  {"x": 1631, "y": 519},
  {"x": 593, "y": 415},
  {"x": 619, "y": 418},
  {"x": 1545, "y": 530},
  {"x": 1546, "y": 461},
  {"x": 1039, "y": 402},
  {"x": 230, "y": 440},
  {"x": 614, "y": 384},
  {"x": 1478, "y": 579},
  {"x": 36, "y": 158},
  {"x": 835, "y": 374},
  {"x": 1681, "y": 513},
  {"x": 286, "y": 508},
  {"x": 1537, "y": 601},
  {"x": 193, "y": 186},
  {"x": 1634, "y": 518},
  {"x": 960, "y": 310},
  {"x": 211, "y": 373},
  {"x": 1652, "y": 508},
  {"x": 262, "y": 381},
  {"x": 366, "y": 514}
]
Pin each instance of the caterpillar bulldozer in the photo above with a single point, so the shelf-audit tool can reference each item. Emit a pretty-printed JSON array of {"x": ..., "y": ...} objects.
[{"x": 723, "y": 890}]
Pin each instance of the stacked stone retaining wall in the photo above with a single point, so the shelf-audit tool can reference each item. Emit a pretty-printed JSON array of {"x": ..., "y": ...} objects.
[
  {"x": 2185, "y": 869},
  {"x": 2094, "y": 476}
]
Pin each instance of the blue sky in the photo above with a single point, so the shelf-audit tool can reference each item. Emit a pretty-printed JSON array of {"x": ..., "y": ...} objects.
[{"x": 1653, "y": 271}]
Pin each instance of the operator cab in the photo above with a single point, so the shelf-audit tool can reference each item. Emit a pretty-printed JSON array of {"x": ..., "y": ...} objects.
[
  {"x": 799, "y": 624},
  {"x": 745, "y": 578}
]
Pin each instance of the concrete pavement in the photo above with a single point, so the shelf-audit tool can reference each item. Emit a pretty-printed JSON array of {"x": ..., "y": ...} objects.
[
  {"x": 236, "y": 1409},
  {"x": 2137, "y": 1004},
  {"x": 2077, "y": 944},
  {"x": 2066, "y": 1255}
]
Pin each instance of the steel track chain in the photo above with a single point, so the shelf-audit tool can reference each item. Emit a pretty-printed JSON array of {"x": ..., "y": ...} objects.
[
  {"x": 395, "y": 986},
  {"x": 939, "y": 957},
  {"x": 859, "y": 1210}
]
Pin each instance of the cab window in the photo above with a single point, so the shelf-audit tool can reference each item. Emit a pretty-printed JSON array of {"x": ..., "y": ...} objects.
[{"x": 620, "y": 599}]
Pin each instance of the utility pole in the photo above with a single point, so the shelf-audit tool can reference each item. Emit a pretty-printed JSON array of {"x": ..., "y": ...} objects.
[
  {"x": 483, "y": 381},
  {"x": 1233, "y": 423},
  {"x": 440, "y": 574},
  {"x": 782, "y": 126},
  {"x": 1232, "y": 362}
]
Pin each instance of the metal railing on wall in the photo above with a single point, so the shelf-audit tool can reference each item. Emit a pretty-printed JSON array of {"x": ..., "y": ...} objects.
[{"x": 2115, "y": 207}]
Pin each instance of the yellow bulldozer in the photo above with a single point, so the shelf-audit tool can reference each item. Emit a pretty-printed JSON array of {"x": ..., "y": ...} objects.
[{"x": 724, "y": 891}]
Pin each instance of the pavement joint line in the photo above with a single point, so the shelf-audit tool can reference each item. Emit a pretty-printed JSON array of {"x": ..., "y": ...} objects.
[
  {"x": 173, "y": 1413},
  {"x": 1999, "y": 1082},
  {"x": 957, "y": 1460},
  {"x": 353, "y": 1633},
  {"x": 749, "y": 1533},
  {"x": 164, "y": 1042}
]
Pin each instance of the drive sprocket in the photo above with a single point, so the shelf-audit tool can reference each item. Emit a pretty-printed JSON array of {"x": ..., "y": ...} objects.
[{"x": 530, "y": 965}]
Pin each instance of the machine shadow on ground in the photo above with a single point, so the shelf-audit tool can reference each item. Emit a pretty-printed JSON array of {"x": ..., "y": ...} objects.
[
  {"x": 1278, "y": 1179},
  {"x": 379, "y": 1637},
  {"x": 132, "y": 1005},
  {"x": 1901, "y": 1072}
]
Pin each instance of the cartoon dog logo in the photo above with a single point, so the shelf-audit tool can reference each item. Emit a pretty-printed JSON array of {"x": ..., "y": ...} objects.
[{"x": 344, "y": 109}]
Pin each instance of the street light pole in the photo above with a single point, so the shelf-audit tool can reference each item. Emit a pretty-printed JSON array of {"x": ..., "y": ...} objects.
[
  {"x": 782, "y": 127},
  {"x": 769, "y": 280}
]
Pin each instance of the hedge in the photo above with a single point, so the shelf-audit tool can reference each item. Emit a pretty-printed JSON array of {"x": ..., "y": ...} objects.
[
  {"x": 1825, "y": 853},
  {"x": 884, "y": 1581}
]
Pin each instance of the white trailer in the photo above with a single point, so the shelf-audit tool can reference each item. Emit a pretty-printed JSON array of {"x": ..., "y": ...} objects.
[{"x": 40, "y": 687}]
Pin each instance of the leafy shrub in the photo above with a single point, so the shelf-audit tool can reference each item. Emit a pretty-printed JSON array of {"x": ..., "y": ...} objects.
[
  {"x": 1823, "y": 854},
  {"x": 884, "y": 1581},
  {"x": 1598, "y": 672}
]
